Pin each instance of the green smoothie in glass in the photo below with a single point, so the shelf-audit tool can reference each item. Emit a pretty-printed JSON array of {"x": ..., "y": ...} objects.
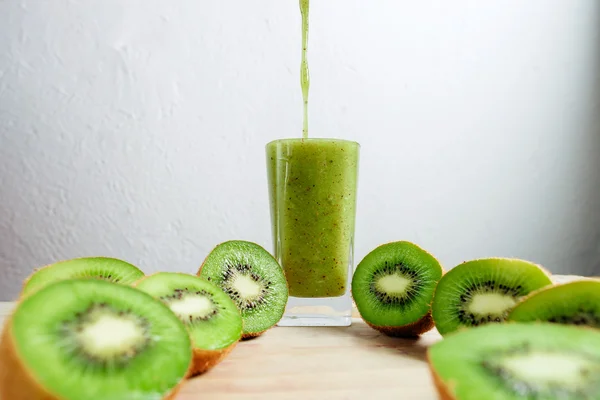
[
  {"x": 312, "y": 184},
  {"x": 312, "y": 192}
]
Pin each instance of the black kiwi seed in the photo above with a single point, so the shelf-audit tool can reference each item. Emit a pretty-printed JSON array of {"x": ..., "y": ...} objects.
[{"x": 580, "y": 317}]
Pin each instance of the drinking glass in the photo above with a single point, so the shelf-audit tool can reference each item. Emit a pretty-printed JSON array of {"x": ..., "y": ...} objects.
[{"x": 312, "y": 195}]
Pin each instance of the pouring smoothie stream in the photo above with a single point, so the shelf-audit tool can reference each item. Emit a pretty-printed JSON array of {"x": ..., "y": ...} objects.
[{"x": 312, "y": 192}]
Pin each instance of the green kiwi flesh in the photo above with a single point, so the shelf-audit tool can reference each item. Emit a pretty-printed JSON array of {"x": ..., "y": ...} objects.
[
  {"x": 575, "y": 303},
  {"x": 253, "y": 279},
  {"x": 210, "y": 315},
  {"x": 483, "y": 291},
  {"x": 393, "y": 288},
  {"x": 92, "y": 339},
  {"x": 514, "y": 361},
  {"x": 106, "y": 268}
]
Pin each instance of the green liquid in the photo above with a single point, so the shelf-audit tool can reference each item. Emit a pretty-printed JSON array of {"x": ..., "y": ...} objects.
[
  {"x": 312, "y": 185},
  {"x": 304, "y": 75}
]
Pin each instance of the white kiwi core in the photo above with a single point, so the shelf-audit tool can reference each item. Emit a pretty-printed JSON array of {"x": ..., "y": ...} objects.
[
  {"x": 109, "y": 335},
  {"x": 393, "y": 284},
  {"x": 490, "y": 303},
  {"x": 543, "y": 368},
  {"x": 247, "y": 287},
  {"x": 195, "y": 306}
]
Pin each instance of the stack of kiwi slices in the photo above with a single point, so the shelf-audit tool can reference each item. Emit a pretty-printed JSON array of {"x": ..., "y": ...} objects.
[
  {"x": 97, "y": 328},
  {"x": 92, "y": 339},
  {"x": 507, "y": 331},
  {"x": 510, "y": 333}
]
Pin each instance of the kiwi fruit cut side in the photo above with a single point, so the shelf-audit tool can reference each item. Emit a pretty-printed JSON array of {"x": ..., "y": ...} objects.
[
  {"x": 105, "y": 268},
  {"x": 483, "y": 291},
  {"x": 514, "y": 361},
  {"x": 393, "y": 288},
  {"x": 95, "y": 340},
  {"x": 211, "y": 317},
  {"x": 575, "y": 303},
  {"x": 253, "y": 279}
]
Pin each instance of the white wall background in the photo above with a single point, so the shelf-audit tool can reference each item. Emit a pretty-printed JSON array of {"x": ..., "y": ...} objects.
[{"x": 136, "y": 128}]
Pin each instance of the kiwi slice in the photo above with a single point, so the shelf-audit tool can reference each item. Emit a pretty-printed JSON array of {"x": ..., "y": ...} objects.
[
  {"x": 516, "y": 361},
  {"x": 90, "y": 339},
  {"x": 482, "y": 291},
  {"x": 253, "y": 279},
  {"x": 212, "y": 318},
  {"x": 106, "y": 268},
  {"x": 575, "y": 303},
  {"x": 393, "y": 288}
]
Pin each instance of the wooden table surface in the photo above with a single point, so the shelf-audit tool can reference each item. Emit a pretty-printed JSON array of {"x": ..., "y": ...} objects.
[{"x": 353, "y": 362}]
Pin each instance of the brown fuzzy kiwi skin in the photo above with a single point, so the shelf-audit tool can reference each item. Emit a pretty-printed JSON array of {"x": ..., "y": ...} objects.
[
  {"x": 205, "y": 360},
  {"x": 175, "y": 391},
  {"x": 411, "y": 330},
  {"x": 247, "y": 335},
  {"x": 251, "y": 335},
  {"x": 443, "y": 389},
  {"x": 17, "y": 383}
]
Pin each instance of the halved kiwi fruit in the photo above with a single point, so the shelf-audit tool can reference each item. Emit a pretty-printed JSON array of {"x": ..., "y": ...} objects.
[
  {"x": 105, "y": 268},
  {"x": 253, "y": 279},
  {"x": 483, "y": 291},
  {"x": 212, "y": 318},
  {"x": 393, "y": 288},
  {"x": 514, "y": 361},
  {"x": 94, "y": 340},
  {"x": 575, "y": 303}
]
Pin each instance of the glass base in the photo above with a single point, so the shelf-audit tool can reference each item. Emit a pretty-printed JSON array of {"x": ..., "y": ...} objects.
[{"x": 321, "y": 311}]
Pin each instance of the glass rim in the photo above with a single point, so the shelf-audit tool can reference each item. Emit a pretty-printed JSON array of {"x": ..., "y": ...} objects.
[{"x": 319, "y": 139}]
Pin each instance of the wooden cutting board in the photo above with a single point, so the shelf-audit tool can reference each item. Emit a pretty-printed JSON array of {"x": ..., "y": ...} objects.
[{"x": 353, "y": 362}]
